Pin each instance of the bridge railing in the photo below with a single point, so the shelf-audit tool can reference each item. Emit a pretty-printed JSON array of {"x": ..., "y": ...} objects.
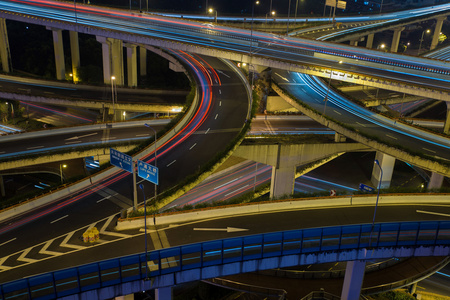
[{"x": 219, "y": 252}]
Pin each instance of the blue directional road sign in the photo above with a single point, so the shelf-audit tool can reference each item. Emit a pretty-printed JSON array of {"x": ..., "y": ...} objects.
[
  {"x": 148, "y": 172},
  {"x": 121, "y": 160},
  {"x": 365, "y": 188}
]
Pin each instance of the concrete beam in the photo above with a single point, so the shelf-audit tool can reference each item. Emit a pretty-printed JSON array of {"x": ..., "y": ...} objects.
[
  {"x": 396, "y": 38},
  {"x": 354, "y": 275},
  {"x": 59, "y": 53},
  {"x": 75, "y": 54},
  {"x": 437, "y": 31},
  {"x": 387, "y": 164},
  {"x": 4, "y": 47}
]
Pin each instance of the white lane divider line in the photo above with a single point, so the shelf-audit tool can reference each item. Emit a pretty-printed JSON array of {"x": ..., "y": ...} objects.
[
  {"x": 54, "y": 221},
  {"x": 193, "y": 146},
  {"x": 171, "y": 163},
  {"x": 36, "y": 147}
]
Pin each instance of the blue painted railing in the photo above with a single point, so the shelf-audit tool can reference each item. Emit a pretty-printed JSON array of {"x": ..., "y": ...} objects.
[{"x": 131, "y": 268}]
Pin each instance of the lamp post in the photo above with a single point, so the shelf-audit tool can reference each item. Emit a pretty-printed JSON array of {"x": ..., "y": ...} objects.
[
  {"x": 113, "y": 78},
  {"x": 376, "y": 203},
  {"x": 251, "y": 42},
  {"x": 289, "y": 13},
  {"x": 61, "y": 166},
  {"x": 215, "y": 14},
  {"x": 156, "y": 165},
  {"x": 272, "y": 13},
  {"x": 141, "y": 186},
  {"x": 421, "y": 40}
]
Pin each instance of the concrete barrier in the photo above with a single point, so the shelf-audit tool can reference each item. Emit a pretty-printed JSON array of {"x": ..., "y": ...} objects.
[{"x": 285, "y": 205}]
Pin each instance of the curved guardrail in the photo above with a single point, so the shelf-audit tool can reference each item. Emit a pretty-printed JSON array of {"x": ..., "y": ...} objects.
[{"x": 228, "y": 251}]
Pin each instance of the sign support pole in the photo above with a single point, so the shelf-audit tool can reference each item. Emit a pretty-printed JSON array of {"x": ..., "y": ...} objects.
[{"x": 134, "y": 187}]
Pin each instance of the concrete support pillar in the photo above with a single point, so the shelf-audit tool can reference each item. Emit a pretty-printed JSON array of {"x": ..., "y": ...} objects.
[
  {"x": 4, "y": 47},
  {"x": 75, "y": 53},
  {"x": 112, "y": 53},
  {"x": 354, "y": 43},
  {"x": 436, "y": 181},
  {"x": 412, "y": 288},
  {"x": 387, "y": 165},
  {"x": 2, "y": 187},
  {"x": 143, "y": 61},
  {"x": 163, "y": 293},
  {"x": 339, "y": 138},
  {"x": 282, "y": 183},
  {"x": 369, "y": 42},
  {"x": 131, "y": 65},
  {"x": 396, "y": 38},
  {"x": 437, "y": 31},
  {"x": 447, "y": 120},
  {"x": 59, "y": 53},
  {"x": 354, "y": 275}
]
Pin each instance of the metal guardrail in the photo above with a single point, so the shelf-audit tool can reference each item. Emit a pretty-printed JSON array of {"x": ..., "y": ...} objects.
[
  {"x": 269, "y": 293},
  {"x": 220, "y": 252}
]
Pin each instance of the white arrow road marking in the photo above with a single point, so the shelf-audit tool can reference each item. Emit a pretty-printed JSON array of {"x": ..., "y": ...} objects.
[
  {"x": 81, "y": 136},
  {"x": 8, "y": 242},
  {"x": 45, "y": 251},
  {"x": 432, "y": 213},
  {"x": 228, "y": 229},
  {"x": 25, "y": 253},
  {"x": 2, "y": 260}
]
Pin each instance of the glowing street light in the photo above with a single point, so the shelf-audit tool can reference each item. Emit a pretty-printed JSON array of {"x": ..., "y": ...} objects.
[
  {"x": 61, "y": 166},
  {"x": 113, "y": 96},
  {"x": 421, "y": 39},
  {"x": 272, "y": 13},
  {"x": 215, "y": 15}
]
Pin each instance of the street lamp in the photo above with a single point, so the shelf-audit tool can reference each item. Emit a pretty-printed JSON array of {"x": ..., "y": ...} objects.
[
  {"x": 61, "y": 166},
  {"x": 328, "y": 90},
  {"x": 113, "y": 94},
  {"x": 421, "y": 39},
  {"x": 215, "y": 16},
  {"x": 251, "y": 42},
  {"x": 141, "y": 186},
  {"x": 272, "y": 13},
  {"x": 376, "y": 203}
]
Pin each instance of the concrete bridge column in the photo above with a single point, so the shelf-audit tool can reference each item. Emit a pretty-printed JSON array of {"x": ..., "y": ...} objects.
[
  {"x": 282, "y": 182},
  {"x": 436, "y": 181},
  {"x": 447, "y": 120},
  {"x": 59, "y": 53},
  {"x": 75, "y": 53},
  {"x": 143, "y": 61},
  {"x": 437, "y": 31},
  {"x": 354, "y": 42},
  {"x": 131, "y": 65},
  {"x": 112, "y": 51},
  {"x": 354, "y": 275},
  {"x": 396, "y": 38},
  {"x": 387, "y": 163},
  {"x": 4, "y": 46},
  {"x": 163, "y": 293},
  {"x": 369, "y": 42},
  {"x": 339, "y": 138}
]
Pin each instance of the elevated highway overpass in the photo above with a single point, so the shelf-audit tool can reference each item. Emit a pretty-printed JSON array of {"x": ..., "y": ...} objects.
[{"x": 418, "y": 76}]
